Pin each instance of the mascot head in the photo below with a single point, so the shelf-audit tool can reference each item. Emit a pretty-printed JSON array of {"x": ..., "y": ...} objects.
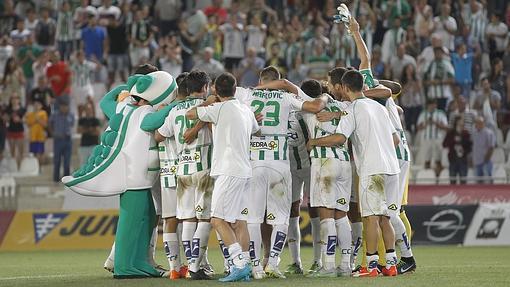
[{"x": 157, "y": 88}]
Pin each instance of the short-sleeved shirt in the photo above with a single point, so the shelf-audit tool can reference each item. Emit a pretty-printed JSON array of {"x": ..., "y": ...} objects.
[
  {"x": 59, "y": 85},
  {"x": 192, "y": 157},
  {"x": 93, "y": 41},
  {"x": 168, "y": 163},
  {"x": 432, "y": 132},
  {"x": 366, "y": 123},
  {"x": 297, "y": 137},
  {"x": 88, "y": 139},
  {"x": 233, "y": 125},
  {"x": 275, "y": 106},
  {"x": 402, "y": 148},
  {"x": 483, "y": 140}
]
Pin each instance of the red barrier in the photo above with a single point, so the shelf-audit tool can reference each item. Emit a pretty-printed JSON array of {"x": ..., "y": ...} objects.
[
  {"x": 5, "y": 221},
  {"x": 458, "y": 194}
]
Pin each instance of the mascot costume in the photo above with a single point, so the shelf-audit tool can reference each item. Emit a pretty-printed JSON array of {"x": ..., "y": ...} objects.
[{"x": 126, "y": 163}]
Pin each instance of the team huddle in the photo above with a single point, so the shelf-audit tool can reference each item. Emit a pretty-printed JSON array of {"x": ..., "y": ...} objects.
[{"x": 241, "y": 160}]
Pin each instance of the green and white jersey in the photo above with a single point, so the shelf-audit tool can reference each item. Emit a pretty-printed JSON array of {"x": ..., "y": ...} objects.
[
  {"x": 168, "y": 163},
  {"x": 402, "y": 148},
  {"x": 82, "y": 72},
  {"x": 297, "y": 137},
  {"x": 192, "y": 157},
  {"x": 368, "y": 78},
  {"x": 276, "y": 107},
  {"x": 321, "y": 129}
]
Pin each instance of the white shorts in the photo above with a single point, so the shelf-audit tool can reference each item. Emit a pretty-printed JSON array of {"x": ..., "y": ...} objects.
[
  {"x": 138, "y": 55},
  {"x": 156, "y": 197},
  {"x": 355, "y": 184},
  {"x": 300, "y": 183},
  {"x": 270, "y": 195},
  {"x": 403, "y": 178},
  {"x": 194, "y": 194},
  {"x": 430, "y": 150},
  {"x": 391, "y": 190},
  {"x": 371, "y": 195},
  {"x": 80, "y": 94},
  {"x": 168, "y": 202},
  {"x": 229, "y": 198},
  {"x": 331, "y": 181}
]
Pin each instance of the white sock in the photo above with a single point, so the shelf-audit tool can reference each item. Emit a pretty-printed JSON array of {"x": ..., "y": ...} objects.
[
  {"x": 255, "y": 244},
  {"x": 372, "y": 261},
  {"x": 199, "y": 245},
  {"x": 205, "y": 259},
  {"x": 246, "y": 257},
  {"x": 401, "y": 236},
  {"x": 316, "y": 235},
  {"x": 344, "y": 238},
  {"x": 391, "y": 259},
  {"x": 188, "y": 229},
  {"x": 236, "y": 255},
  {"x": 328, "y": 231},
  {"x": 179, "y": 238},
  {"x": 278, "y": 237},
  {"x": 171, "y": 245},
  {"x": 357, "y": 241},
  {"x": 152, "y": 246},
  {"x": 295, "y": 240},
  {"x": 111, "y": 256},
  {"x": 224, "y": 250}
]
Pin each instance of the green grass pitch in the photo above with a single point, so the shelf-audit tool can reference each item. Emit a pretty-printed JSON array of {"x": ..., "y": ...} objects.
[{"x": 437, "y": 266}]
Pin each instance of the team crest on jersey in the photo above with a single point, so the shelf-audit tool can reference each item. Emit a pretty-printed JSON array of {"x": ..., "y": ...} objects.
[
  {"x": 341, "y": 201},
  {"x": 245, "y": 211},
  {"x": 199, "y": 208},
  {"x": 259, "y": 145},
  {"x": 270, "y": 216},
  {"x": 44, "y": 223},
  {"x": 392, "y": 207}
]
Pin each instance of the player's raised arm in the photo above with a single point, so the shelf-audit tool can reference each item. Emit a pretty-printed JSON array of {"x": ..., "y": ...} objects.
[{"x": 363, "y": 53}]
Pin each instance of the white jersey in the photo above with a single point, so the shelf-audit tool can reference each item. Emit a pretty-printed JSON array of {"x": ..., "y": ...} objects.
[
  {"x": 297, "y": 137},
  {"x": 319, "y": 129},
  {"x": 233, "y": 125},
  {"x": 193, "y": 157},
  {"x": 402, "y": 148},
  {"x": 276, "y": 107},
  {"x": 366, "y": 123},
  {"x": 168, "y": 163}
]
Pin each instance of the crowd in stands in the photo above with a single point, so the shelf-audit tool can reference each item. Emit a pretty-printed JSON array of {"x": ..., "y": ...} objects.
[{"x": 452, "y": 57}]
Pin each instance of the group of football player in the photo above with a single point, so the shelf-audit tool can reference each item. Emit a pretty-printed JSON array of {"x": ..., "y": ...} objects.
[{"x": 241, "y": 161}]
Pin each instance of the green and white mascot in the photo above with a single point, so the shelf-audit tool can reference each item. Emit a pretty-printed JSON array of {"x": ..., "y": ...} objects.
[{"x": 126, "y": 163}]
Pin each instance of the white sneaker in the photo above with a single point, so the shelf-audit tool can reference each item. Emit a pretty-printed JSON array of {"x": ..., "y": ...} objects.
[
  {"x": 344, "y": 271},
  {"x": 208, "y": 269},
  {"x": 273, "y": 272},
  {"x": 108, "y": 265}
]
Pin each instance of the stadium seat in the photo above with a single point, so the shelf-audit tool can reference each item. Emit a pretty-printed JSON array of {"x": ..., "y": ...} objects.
[
  {"x": 499, "y": 175},
  {"x": 426, "y": 176},
  {"x": 444, "y": 158},
  {"x": 444, "y": 176},
  {"x": 11, "y": 165},
  {"x": 29, "y": 166},
  {"x": 471, "y": 176},
  {"x": 498, "y": 156}
]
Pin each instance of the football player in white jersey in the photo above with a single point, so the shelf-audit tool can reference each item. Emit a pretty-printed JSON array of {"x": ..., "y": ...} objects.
[
  {"x": 194, "y": 184},
  {"x": 270, "y": 197}
]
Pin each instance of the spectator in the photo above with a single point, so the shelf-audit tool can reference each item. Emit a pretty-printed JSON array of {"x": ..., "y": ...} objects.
[
  {"x": 27, "y": 55},
  {"x": 45, "y": 30},
  {"x": 487, "y": 103},
  {"x": 378, "y": 67},
  {"x": 22, "y": 7},
  {"x": 412, "y": 43},
  {"x": 260, "y": 9},
  {"x": 65, "y": 34},
  {"x": 297, "y": 73},
  {"x": 42, "y": 93},
  {"x": 459, "y": 109},
  {"x": 217, "y": 10},
  {"x": 318, "y": 39},
  {"x": 31, "y": 20},
  {"x": 274, "y": 59},
  {"x": 15, "y": 128},
  {"x": 399, "y": 9},
  {"x": 59, "y": 75},
  {"x": 13, "y": 81},
  {"x": 81, "y": 15},
  {"x": 319, "y": 64},
  {"x": 445, "y": 26},
  {"x": 294, "y": 49},
  {"x": 497, "y": 33},
  {"x": 427, "y": 55},
  {"x": 411, "y": 99},
  {"x": 8, "y": 19},
  {"x": 37, "y": 121},
  {"x": 233, "y": 43},
  {"x": 399, "y": 61},
  {"x": 462, "y": 65},
  {"x": 140, "y": 36},
  {"x": 249, "y": 69},
  {"x": 432, "y": 124},
  {"x": 89, "y": 128},
  {"x": 106, "y": 11},
  {"x": 500, "y": 82},
  {"x": 6, "y": 52},
  {"x": 60, "y": 125},
  {"x": 117, "y": 47},
  {"x": 438, "y": 78},
  {"x": 476, "y": 20},
  {"x": 189, "y": 41},
  {"x": 167, "y": 13},
  {"x": 81, "y": 89},
  {"x": 256, "y": 35},
  {"x": 209, "y": 65},
  {"x": 20, "y": 34},
  {"x": 93, "y": 39},
  {"x": 40, "y": 66},
  {"x": 392, "y": 38},
  {"x": 170, "y": 60},
  {"x": 458, "y": 142},
  {"x": 484, "y": 142}
]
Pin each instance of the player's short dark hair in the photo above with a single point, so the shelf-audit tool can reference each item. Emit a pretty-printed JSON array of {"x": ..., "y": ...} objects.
[
  {"x": 182, "y": 85},
  {"x": 270, "y": 73},
  {"x": 336, "y": 75},
  {"x": 196, "y": 80},
  {"x": 145, "y": 69},
  {"x": 312, "y": 88},
  {"x": 225, "y": 85},
  {"x": 353, "y": 80}
]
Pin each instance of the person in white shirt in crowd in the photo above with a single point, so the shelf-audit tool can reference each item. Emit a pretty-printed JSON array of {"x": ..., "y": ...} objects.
[
  {"x": 318, "y": 39},
  {"x": 140, "y": 36},
  {"x": 81, "y": 89},
  {"x": 475, "y": 16},
  {"x": 171, "y": 60},
  {"x": 233, "y": 43},
  {"x": 399, "y": 61},
  {"x": 20, "y": 34},
  {"x": 487, "y": 103},
  {"x": 31, "y": 20},
  {"x": 6, "y": 51},
  {"x": 208, "y": 64},
  {"x": 484, "y": 142},
  {"x": 65, "y": 34},
  {"x": 432, "y": 124},
  {"x": 497, "y": 34},
  {"x": 106, "y": 10},
  {"x": 446, "y": 26},
  {"x": 249, "y": 68},
  {"x": 256, "y": 35},
  {"x": 423, "y": 23},
  {"x": 438, "y": 78},
  {"x": 392, "y": 38}
]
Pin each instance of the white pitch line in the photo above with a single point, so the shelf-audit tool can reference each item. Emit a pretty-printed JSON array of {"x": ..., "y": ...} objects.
[{"x": 38, "y": 277}]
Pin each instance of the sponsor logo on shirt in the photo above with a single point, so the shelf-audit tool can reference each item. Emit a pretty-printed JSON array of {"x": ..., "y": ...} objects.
[
  {"x": 190, "y": 158},
  {"x": 259, "y": 145}
]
